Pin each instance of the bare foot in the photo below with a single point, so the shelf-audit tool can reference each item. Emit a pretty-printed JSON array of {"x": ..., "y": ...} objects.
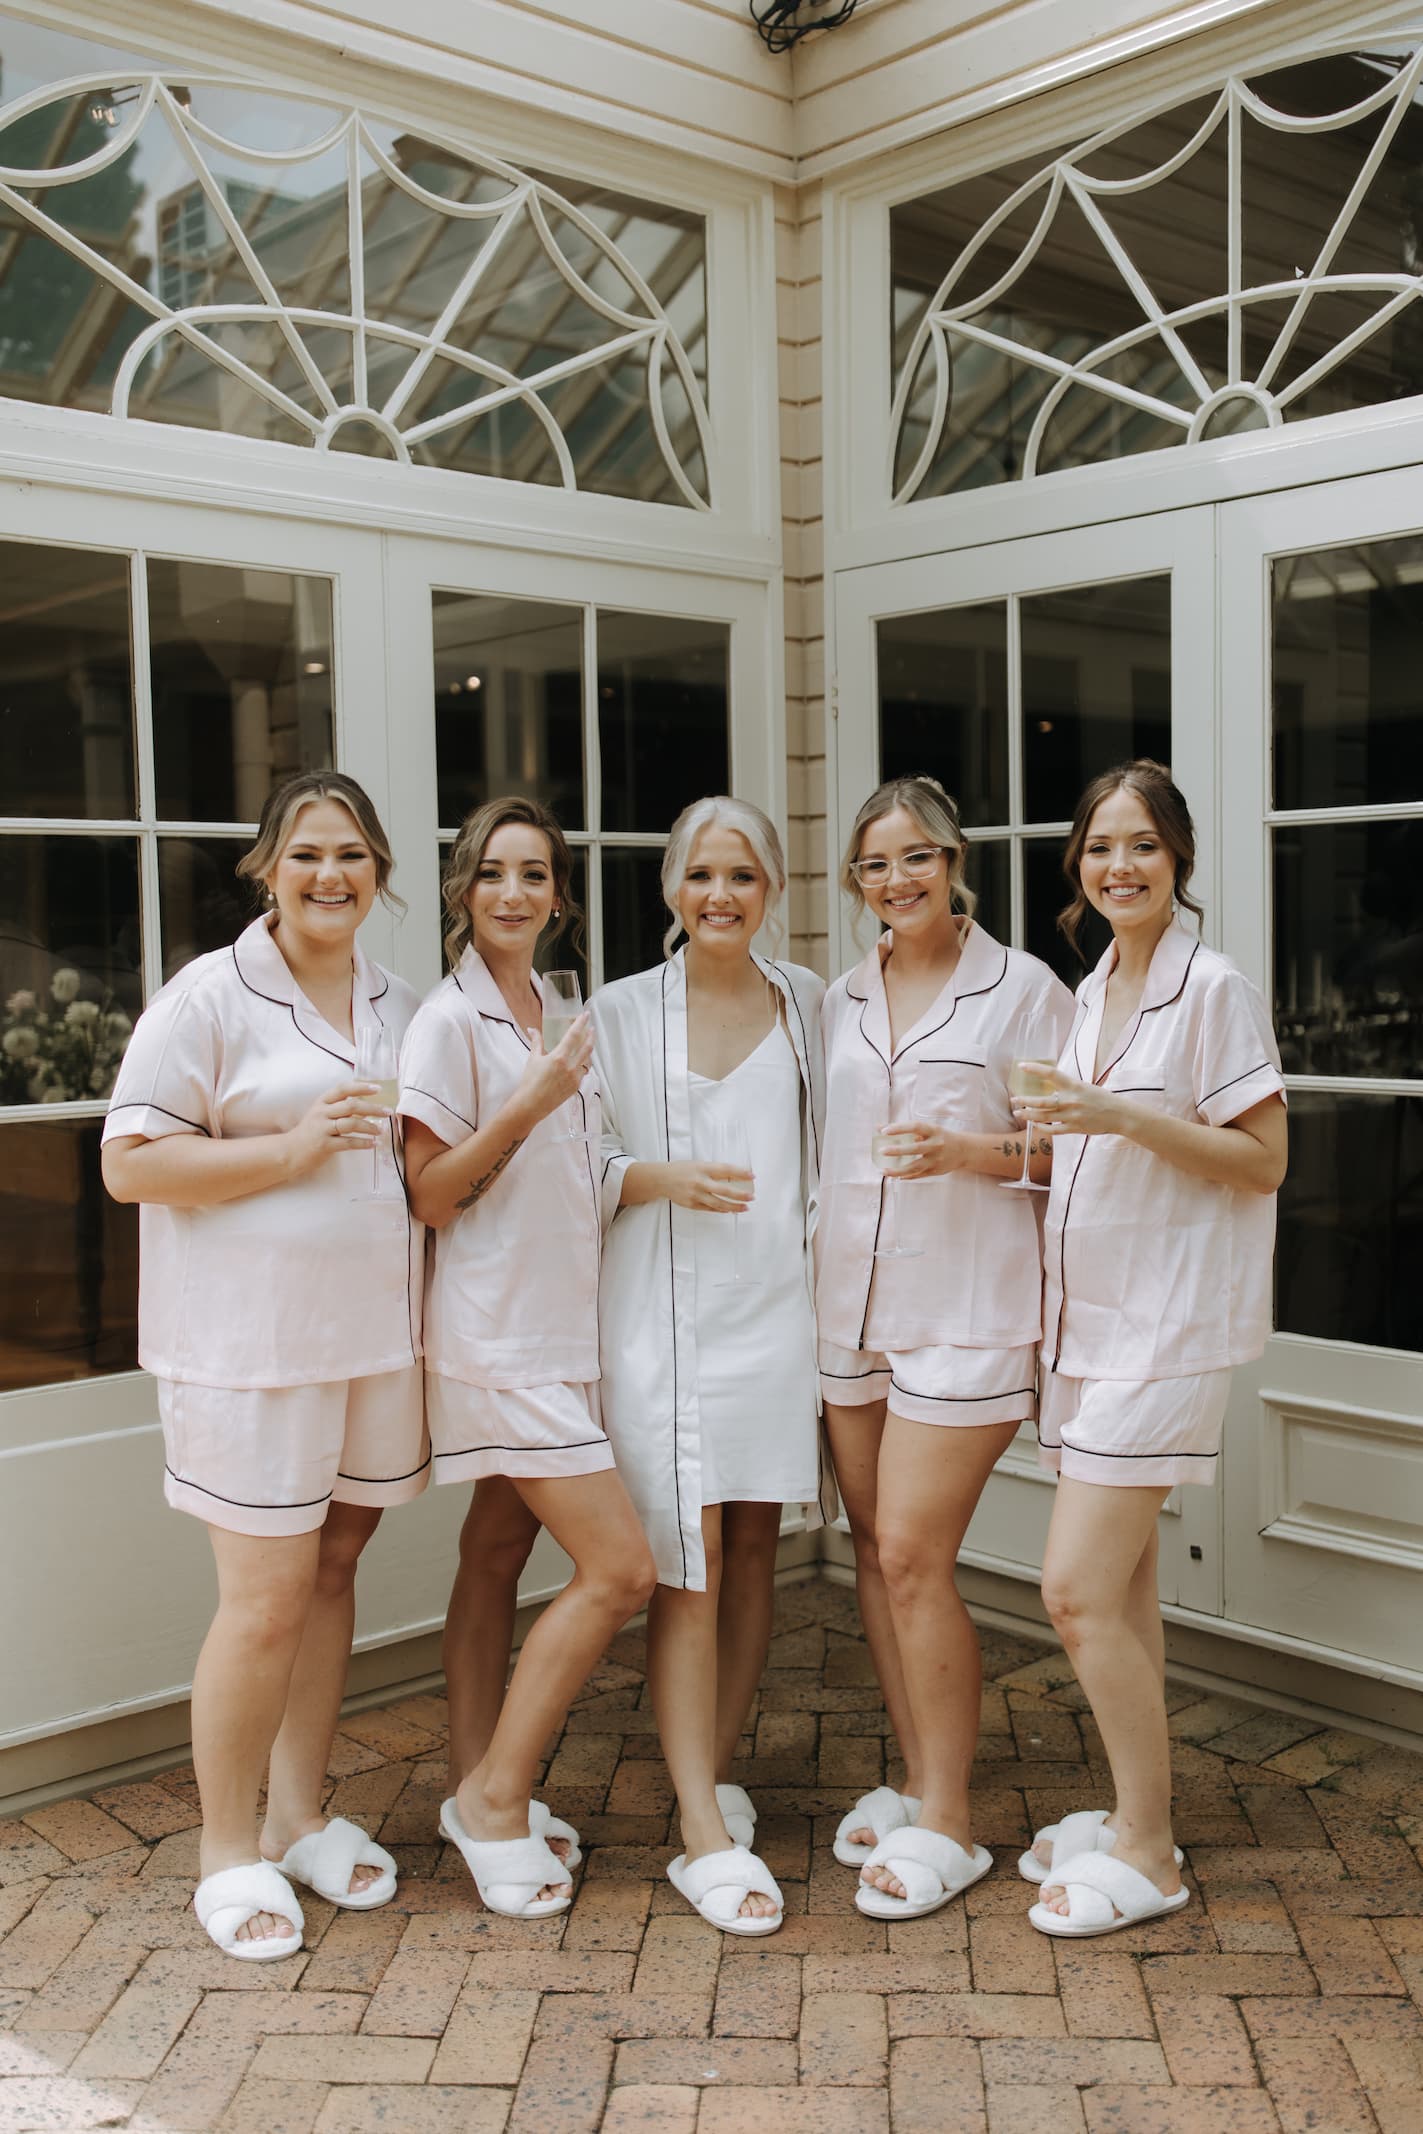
[
  {"x": 1158, "y": 1867},
  {"x": 265, "y": 1926},
  {"x": 753, "y": 1905}
]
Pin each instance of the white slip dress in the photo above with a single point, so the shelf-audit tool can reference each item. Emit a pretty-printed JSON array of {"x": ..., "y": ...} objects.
[{"x": 756, "y": 1361}]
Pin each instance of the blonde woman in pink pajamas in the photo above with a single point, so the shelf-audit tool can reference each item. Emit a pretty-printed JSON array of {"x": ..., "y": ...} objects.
[{"x": 1168, "y": 1131}]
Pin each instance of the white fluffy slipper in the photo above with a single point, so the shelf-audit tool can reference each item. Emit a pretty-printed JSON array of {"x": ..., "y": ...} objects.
[
  {"x": 326, "y": 1859},
  {"x": 932, "y": 1867},
  {"x": 543, "y": 1823},
  {"x": 882, "y": 1811},
  {"x": 509, "y": 1872},
  {"x": 738, "y": 1812},
  {"x": 718, "y": 1884},
  {"x": 227, "y": 1900},
  {"x": 1103, "y": 1894},
  {"x": 1084, "y": 1831}
]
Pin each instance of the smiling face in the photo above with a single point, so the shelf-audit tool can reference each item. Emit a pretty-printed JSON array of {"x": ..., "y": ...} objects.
[
  {"x": 324, "y": 880},
  {"x": 912, "y": 903},
  {"x": 511, "y": 900},
  {"x": 1128, "y": 870},
  {"x": 721, "y": 898}
]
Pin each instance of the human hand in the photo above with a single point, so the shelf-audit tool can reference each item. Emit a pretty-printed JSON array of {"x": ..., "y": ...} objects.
[
  {"x": 551, "y": 1078},
  {"x": 922, "y": 1150},
  {"x": 714, "y": 1188},
  {"x": 1075, "y": 1107},
  {"x": 350, "y": 1116}
]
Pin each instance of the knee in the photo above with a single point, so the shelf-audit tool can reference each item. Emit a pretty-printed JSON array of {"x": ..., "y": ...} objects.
[
  {"x": 341, "y": 1545},
  {"x": 903, "y": 1561},
  {"x": 268, "y": 1619},
  {"x": 1069, "y": 1601},
  {"x": 622, "y": 1588},
  {"x": 496, "y": 1552}
]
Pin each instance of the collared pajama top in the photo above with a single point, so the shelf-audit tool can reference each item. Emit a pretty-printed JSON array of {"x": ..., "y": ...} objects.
[
  {"x": 978, "y": 1280},
  {"x": 513, "y": 1289},
  {"x": 1151, "y": 1273},
  {"x": 303, "y": 1282}
]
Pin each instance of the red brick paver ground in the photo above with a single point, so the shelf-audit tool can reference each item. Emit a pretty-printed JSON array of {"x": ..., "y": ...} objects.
[{"x": 1288, "y": 1996}]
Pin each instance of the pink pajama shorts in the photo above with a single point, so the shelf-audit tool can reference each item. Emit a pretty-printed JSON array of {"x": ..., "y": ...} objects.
[
  {"x": 960, "y": 1387},
  {"x": 531, "y": 1433},
  {"x": 269, "y": 1460},
  {"x": 1136, "y": 1433}
]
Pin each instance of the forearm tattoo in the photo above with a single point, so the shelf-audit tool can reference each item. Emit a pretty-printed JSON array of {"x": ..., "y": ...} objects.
[
  {"x": 480, "y": 1186},
  {"x": 1041, "y": 1147}
]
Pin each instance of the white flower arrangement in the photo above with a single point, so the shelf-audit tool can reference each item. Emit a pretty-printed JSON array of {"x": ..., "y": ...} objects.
[{"x": 60, "y": 1048}]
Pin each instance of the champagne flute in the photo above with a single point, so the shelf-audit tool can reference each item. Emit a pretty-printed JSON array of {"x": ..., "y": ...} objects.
[
  {"x": 1028, "y": 1078},
  {"x": 563, "y": 1004},
  {"x": 378, "y": 1061},
  {"x": 888, "y": 1155},
  {"x": 731, "y": 1146}
]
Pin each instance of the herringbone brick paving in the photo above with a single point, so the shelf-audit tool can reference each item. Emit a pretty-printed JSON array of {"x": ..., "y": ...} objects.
[{"x": 1289, "y": 1997}]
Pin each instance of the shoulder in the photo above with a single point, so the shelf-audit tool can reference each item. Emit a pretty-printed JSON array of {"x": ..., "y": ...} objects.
[
  {"x": 206, "y": 985},
  {"x": 1215, "y": 981},
  {"x": 624, "y": 997},
  {"x": 837, "y": 993},
  {"x": 398, "y": 994},
  {"x": 443, "y": 1005},
  {"x": 1037, "y": 980},
  {"x": 808, "y": 986}
]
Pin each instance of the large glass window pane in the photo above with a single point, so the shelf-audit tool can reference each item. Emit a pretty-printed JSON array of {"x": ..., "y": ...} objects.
[
  {"x": 69, "y": 965},
  {"x": 989, "y": 871},
  {"x": 68, "y": 1258},
  {"x": 1349, "y": 948},
  {"x": 66, "y": 682},
  {"x": 1045, "y": 894},
  {"x": 1348, "y": 727},
  {"x": 1096, "y": 687},
  {"x": 203, "y": 902},
  {"x": 242, "y": 685},
  {"x": 508, "y": 704},
  {"x": 1349, "y": 1265},
  {"x": 662, "y": 716},
  {"x": 634, "y": 915},
  {"x": 943, "y": 704}
]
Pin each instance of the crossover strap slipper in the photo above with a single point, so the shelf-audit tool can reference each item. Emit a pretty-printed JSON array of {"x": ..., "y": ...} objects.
[
  {"x": 882, "y": 1811},
  {"x": 719, "y": 1883},
  {"x": 326, "y": 1859},
  {"x": 1103, "y": 1894},
  {"x": 543, "y": 1823},
  {"x": 933, "y": 1869},
  {"x": 738, "y": 1812},
  {"x": 509, "y": 1872},
  {"x": 224, "y": 1902},
  {"x": 1084, "y": 1831}
]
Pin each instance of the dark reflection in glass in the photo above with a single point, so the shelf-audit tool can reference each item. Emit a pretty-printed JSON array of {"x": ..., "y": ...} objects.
[
  {"x": 943, "y": 703},
  {"x": 1349, "y": 948},
  {"x": 203, "y": 902},
  {"x": 69, "y": 965},
  {"x": 242, "y": 685},
  {"x": 1096, "y": 687},
  {"x": 1348, "y": 623},
  {"x": 1045, "y": 894},
  {"x": 508, "y": 703},
  {"x": 66, "y": 682},
  {"x": 662, "y": 716},
  {"x": 634, "y": 915},
  {"x": 1349, "y": 1264},
  {"x": 989, "y": 871},
  {"x": 68, "y": 1259}
]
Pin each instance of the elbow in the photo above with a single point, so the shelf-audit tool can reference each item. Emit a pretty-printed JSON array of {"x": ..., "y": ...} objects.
[
  {"x": 117, "y": 1182},
  {"x": 435, "y": 1215},
  {"x": 1273, "y": 1176}
]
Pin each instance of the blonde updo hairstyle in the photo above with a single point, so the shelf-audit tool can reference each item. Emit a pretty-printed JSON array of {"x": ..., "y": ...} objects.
[
  {"x": 462, "y": 870},
  {"x": 749, "y": 822},
  {"x": 937, "y": 816},
  {"x": 277, "y": 821}
]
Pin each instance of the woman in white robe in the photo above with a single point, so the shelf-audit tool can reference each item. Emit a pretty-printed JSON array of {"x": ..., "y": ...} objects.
[{"x": 709, "y": 1381}]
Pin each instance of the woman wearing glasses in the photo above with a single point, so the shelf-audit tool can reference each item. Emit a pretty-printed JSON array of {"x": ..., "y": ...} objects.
[{"x": 928, "y": 1299}]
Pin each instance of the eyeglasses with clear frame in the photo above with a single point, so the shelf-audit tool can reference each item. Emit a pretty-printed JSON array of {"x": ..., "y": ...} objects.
[{"x": 917, "y": 865}]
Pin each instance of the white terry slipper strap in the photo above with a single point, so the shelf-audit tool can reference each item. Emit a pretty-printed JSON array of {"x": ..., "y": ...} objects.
[
  {"x": 720, "y": 1882},
  {"x": 509, "y": 1872},
  {"x": 1099, "y": 1887},
  {"x": 738, "y": 1812},
  {"x": 226, "y": 1901},
  {"x": 326, "y": 1860},
  {"x": 883, "y": 1811},
  {"x": 926, "y": 1862},
  {"x": 543, "y": 1823}
]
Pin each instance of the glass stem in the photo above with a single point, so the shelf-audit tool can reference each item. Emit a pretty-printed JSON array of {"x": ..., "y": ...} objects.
[{"x": 1027, "y": 1151}]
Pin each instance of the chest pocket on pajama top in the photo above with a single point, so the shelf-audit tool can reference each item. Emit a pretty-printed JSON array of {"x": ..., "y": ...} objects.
[{"x": 952, "y": 1092}]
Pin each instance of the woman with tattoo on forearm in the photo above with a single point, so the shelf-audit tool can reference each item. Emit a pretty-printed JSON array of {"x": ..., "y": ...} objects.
[{"x": 500, "y": 1140}]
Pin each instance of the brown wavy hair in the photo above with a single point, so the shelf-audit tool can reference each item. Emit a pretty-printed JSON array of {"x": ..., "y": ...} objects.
[
  {"x": 469, "y": 849},
  {"x": 285, "y": 802},
  {"x": 1164, "y": 802}
]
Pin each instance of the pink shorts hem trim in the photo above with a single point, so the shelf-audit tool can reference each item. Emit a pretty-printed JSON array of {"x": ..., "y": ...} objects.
[{"x": 531, "y": 1466}]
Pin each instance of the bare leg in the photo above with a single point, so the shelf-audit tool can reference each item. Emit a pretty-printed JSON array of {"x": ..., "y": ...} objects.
[
  {"x": 749, "y": 1535},
  {"x": 498, "y": 1533},
  {"x": 240, "y": 1689},
  {"x": 931, "y": 1479},
  {"x": 855, "y": 1435},
  {"x": 302, "y": 1750},
  {"x": 592, "y": 1519},
  {"x": 1095, "y": 1549},
  {"x": 681, "y": 1674}
]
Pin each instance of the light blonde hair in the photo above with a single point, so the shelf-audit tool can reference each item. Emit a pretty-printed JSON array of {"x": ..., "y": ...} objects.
[
  {"x": 470, "y": 846},
  {"x": 936, "y": 814},
  {"x": 749, "y": 822},
  {"x": 285, "y": 802}
]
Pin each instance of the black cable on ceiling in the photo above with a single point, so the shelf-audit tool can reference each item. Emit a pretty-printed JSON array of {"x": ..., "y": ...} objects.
[{"x": 775, "y": 19}]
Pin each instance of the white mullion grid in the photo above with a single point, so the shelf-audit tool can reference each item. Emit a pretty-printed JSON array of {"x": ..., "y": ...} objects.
[
  {"x": 1233, "y": 211},
  {"x": 592, "y": 800},
  {"x": 1362, "y": 1085},
  {"x": 1380, "y": 811},
  {"x": 1016, "y": 899},
  {"x": 150, "y": 921}
]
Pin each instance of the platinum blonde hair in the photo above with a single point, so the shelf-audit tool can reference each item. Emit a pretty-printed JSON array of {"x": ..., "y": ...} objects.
[
  {"x": 749, "y": 822},
  {"x": 937, "y": 816}
]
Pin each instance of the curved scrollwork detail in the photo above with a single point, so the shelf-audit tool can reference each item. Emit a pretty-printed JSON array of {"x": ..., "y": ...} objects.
[
  {"x": 1126, "y": 350},
  {"x": 359, "y": 288}
]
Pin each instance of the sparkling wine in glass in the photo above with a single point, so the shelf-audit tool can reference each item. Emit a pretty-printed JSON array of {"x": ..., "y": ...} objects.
[
  {"x": 563, "y": 1004},
  {"x": 1028, "y": 1078},
  {"x": 731, "y": 1145},
  {"x": 378, "y": 1061}
]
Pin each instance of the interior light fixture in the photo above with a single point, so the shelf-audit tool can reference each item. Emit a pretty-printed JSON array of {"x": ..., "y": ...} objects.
[
  {"x": 314, "y": 666},
  {"x": 473, "y": 681}
]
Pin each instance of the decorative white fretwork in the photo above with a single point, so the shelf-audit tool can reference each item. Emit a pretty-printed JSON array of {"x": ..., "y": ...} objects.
[
  {"x": 1153, "y": 369},
  {"x": 540, "y": 312}
]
